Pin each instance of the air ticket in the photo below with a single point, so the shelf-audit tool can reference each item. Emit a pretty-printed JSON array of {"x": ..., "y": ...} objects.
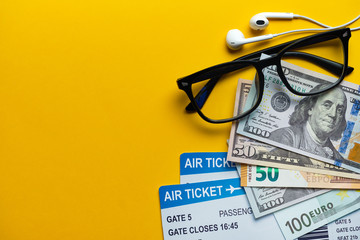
[
  {"x": 206, "y": 166},
  {"x": 210, "y": 211},
  {"x": 214, "y": 209},
  {"x": 345, "y": 228}
]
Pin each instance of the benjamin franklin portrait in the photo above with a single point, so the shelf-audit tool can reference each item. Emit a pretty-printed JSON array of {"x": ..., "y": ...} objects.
[{"x": 316, "y": 122}]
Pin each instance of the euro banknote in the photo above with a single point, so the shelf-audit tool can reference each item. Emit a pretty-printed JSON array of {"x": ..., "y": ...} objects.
[
  {"x": 306, "y": 216},
  {"x": 259, "y": 176}
]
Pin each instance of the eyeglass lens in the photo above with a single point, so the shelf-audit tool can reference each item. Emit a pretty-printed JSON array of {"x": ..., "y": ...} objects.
[
  {"x": 220, "y": 103},
  {"x": 301, "y": 56}
]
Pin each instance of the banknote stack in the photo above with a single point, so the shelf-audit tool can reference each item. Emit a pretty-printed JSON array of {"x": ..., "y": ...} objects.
[
  {"x": 293, "y": 146},
  {"x": 292, "y": 170}
]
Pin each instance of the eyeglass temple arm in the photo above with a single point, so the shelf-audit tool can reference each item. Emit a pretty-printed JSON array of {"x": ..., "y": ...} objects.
[{"x": 331, "y": 66}]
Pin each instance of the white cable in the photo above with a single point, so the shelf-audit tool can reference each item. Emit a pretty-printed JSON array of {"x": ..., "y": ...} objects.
[
  {"x": 321, "y": 29},
  {"x": 311, "y": 20}
]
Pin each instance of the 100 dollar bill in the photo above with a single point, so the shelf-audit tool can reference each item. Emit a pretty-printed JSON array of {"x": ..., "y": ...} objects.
[
  {"x": 258, "y": 176},
  {"x": 269, "y": 122},
  {"x": 265, "y": 200},
  {"x": 245, "y": 150}
]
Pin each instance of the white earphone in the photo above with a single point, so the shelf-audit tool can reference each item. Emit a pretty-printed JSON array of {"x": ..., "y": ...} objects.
[
  {"x": 261, "y": 20},
  {"x": 235, "y": 38}
]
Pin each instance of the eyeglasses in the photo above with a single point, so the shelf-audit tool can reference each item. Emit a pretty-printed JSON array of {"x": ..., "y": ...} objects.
[{"x": 325, "y": 52}]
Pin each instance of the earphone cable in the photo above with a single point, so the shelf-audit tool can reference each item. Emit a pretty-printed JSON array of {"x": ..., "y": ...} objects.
[
  {"x": 320, "y": 29},
  {"x": 311, "y": 20}
]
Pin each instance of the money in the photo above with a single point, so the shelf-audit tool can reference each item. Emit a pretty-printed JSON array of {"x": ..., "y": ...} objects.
[
  {"x": 264, "y": 201},
  {"x": 326, "y": 128},
  {"x": 245, "y": 150},
  {"x": 258, "y": 176},
  {"x": 306, "y": 216}
]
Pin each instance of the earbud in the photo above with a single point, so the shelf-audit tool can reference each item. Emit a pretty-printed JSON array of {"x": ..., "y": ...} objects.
[
  {"x": 260, "y": 21},
  {"x": 235, "y": 39}
]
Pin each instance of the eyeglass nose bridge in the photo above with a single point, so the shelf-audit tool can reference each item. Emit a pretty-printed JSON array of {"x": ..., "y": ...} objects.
[
  {"x": 269, "y": 61},
  {"x": 272, "y": 62}
]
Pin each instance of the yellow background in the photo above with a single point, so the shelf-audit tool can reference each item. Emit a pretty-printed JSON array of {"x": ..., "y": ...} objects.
[{"x": 91, "y": 120}]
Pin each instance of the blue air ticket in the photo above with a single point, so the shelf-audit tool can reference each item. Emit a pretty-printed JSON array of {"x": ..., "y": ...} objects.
[
  {"x": 206, "y": 166},
  {"x": 210, "y": 211}
]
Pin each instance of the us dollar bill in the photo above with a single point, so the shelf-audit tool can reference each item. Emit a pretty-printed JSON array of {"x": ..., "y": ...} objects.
[
  {"x": 264, "y": 201},
  {"x": 282, "y": 120},
  {"x": 248, "y": 151},
  {"x": 259, "y": 176},
  {"x": 306, "y": 216}
]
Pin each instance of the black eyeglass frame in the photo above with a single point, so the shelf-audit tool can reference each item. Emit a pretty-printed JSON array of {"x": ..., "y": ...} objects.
[{"x": 214, "y": 73}]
